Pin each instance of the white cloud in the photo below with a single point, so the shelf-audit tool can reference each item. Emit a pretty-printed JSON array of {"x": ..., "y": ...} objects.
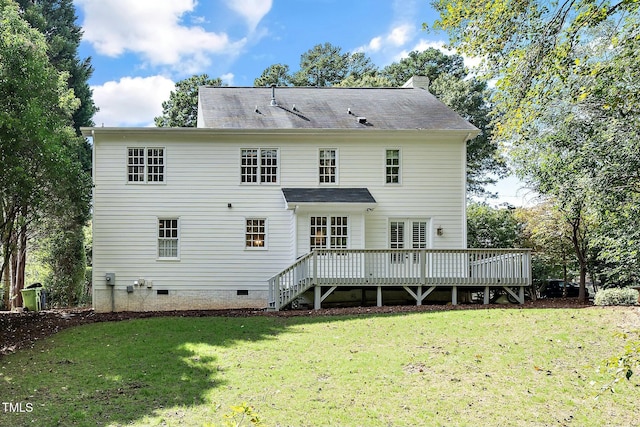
[
  {"x": 131, "y": 101},
  {"x": 227, "y": 78},
  {"x": 251, "y": 10},
  {"x": 400, "y": 35},
  {"x": 396, "y": 37},
  {"x": 375, "y": 44},
  {"x": 152, "y": 29}
]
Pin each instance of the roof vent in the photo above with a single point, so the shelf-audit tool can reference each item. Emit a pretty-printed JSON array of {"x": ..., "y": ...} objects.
[
  {"x": 362, "y": 120},
  {"x": 274, "y": 103}
]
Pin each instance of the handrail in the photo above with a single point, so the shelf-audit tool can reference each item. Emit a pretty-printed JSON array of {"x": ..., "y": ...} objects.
[
  {"x": 284, "y": 288},
  {"x": 400, "y": 267}
]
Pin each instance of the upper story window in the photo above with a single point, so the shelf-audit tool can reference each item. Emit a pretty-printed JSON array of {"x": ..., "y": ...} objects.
[
  {"x": 145, "y": 164},
  {"x": 259, "y": 165},
  {"x": 392, "y": 168},
  {"x": 327, "y": 166},
  {"x": 168, "y": 238}
]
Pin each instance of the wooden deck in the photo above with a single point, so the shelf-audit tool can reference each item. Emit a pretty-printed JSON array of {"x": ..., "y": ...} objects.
[{"x": 418, "y": 271}]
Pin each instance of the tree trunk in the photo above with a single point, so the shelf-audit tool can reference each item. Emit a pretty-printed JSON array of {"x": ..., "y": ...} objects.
[
  {"x": 579, "y": 246},
  {"x": 18, "y": 264},
  {"x": 6, "y": 283},
  {"x": 22, "y": 258},
  {"x": 564, "y": 273},
  {"x": 582, "y": 294},
  {"x": 15, "y": 296}
]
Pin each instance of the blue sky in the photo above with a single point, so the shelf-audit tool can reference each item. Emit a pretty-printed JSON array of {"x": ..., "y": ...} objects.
[{"x": 140, "y": 48}]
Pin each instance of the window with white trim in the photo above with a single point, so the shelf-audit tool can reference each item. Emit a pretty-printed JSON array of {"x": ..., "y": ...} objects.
[
  {"x": 255, "y": 233},
  {"x": 392, "y": 166},
  {"x": 339, "y": 232},
  {"x": 328, "y": 232},
  {"x": 259, "y": 165},
  {"x": 146, "y": 164},
  {"x": 327, "y": 166},
  {"x": 396, "y": 240},
  {"x": 168, "y": 238},
  {"x": 418, "y": 238}
]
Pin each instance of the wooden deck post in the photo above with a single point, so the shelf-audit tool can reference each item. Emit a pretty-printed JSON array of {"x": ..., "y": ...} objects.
[
  {"x": 317, "y": 297},
  {"x": 486, "y": 295},
  {"x": 454, "y": 295},
  {"x": 379, "y": 296}
]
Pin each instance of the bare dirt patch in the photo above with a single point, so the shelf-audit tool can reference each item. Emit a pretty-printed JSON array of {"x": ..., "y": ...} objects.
[{"x": 23, "y": 330}]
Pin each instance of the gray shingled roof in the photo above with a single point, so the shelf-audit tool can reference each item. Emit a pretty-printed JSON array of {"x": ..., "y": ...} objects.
[
  {"x": 328, "y": 195},
  {"x": 325, "y": 108}
]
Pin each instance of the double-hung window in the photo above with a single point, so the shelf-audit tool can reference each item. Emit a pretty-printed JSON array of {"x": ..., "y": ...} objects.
[
  {"x": 392, "y": 166},
  {"x": 255, "y": 233},
  {"x": 259, "y": 165},
  {"x": 327, "y": 167},
  {"x": 329, "y": 232},
  {"x": 146, "y": 164},
  {"x": 168, "y": 238}
]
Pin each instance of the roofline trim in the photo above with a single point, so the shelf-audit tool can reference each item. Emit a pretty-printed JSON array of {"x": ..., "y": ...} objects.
[{"x": 92, "y": 131}]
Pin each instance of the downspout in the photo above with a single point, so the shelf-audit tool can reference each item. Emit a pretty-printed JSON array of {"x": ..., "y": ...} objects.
[{"x": 464, "y": 192}]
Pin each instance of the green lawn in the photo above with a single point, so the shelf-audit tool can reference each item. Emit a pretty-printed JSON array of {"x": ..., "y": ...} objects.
[{"x": 463, "y": 367}]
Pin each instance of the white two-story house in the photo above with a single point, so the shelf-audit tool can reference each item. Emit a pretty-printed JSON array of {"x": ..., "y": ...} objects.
[{"x": 274, "y": 185}]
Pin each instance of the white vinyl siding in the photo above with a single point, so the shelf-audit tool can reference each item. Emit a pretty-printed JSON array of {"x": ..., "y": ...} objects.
[{"x": 203, "y": 167}]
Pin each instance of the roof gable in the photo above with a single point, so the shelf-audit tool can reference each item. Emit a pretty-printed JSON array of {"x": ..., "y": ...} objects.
[{"x": 325, "y": 108}]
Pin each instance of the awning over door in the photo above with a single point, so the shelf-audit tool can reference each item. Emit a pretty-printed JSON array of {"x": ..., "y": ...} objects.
[{"x": 322, "y": 199}]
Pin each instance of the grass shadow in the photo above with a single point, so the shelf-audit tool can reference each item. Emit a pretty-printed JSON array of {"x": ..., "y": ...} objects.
[{"x": 116, "y": 373}]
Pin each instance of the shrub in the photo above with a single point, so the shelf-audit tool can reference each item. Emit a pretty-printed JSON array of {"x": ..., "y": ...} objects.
[{"x": 616, "y": 296}]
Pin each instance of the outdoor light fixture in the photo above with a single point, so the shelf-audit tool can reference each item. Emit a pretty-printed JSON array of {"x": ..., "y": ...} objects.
[
  {"x": 440, "y": 231},
  {"x": 229, "y": 205}
]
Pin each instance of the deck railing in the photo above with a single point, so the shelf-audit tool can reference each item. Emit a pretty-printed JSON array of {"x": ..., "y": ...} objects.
[{"x": 401, "y": 267}]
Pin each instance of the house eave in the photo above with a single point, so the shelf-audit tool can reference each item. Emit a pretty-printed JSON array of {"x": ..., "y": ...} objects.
[
  {"x": 306, "y": 207},
  {"x": 92, "y": 131}
]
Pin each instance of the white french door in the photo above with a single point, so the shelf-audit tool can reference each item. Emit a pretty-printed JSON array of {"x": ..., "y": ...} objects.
[{"x": 408, "y": 234}]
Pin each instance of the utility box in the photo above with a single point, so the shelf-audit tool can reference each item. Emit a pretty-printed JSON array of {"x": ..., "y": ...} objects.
[{"x": 110, "y": 278}]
